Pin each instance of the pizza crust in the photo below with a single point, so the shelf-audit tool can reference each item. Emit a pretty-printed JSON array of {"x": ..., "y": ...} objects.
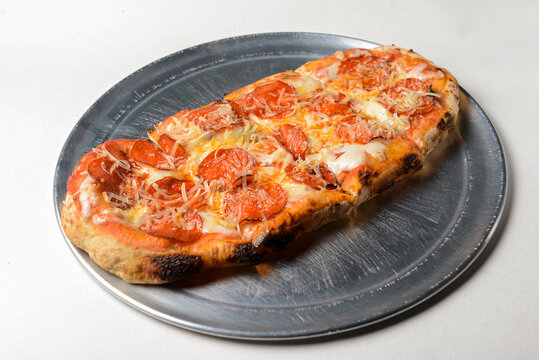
[{"x": 134, "y": 265}]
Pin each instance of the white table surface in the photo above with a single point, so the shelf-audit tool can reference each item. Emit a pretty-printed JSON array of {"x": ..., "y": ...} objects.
[{"x": 58, "y": 57}]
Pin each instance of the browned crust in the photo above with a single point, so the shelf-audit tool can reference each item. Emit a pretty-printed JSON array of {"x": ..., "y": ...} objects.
[
  {"x": 134, "y": 265},
  {"x": 138, "y": 265}
]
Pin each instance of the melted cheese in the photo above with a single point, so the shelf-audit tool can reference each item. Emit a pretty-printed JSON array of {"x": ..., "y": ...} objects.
[
  {"x": 279, "y": 155},
  {"x": 294, "y": 190},
  {"x": 374, "y": 109},
  {"x": 355, "y": 155},
  {"x": 133, "y": 214},
  {"x": 419, "y": 72},
  {"x": 87, "y": 198},
  {"x": 330, "y": 72},
  {"x": 302, "y": 84},
  {"x": 155, "y": 175},
  {"x": 214, "y": 223}
]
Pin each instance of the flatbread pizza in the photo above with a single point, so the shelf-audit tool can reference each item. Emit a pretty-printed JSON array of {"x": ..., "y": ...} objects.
[{"x": 230, "y": 182}]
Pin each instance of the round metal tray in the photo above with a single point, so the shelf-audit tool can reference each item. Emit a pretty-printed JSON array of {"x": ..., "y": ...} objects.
[{"x": 409, "y": 242}]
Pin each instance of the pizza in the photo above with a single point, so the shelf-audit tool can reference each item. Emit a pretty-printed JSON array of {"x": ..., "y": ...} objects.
[{"x": 232, "y": 181}]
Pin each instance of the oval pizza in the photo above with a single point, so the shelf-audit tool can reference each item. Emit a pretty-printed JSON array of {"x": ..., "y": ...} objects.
[{"x": 242, "y": 177}]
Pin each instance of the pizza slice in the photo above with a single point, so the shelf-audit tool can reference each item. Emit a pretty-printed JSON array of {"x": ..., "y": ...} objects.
[{"x": 229, "y": 182}]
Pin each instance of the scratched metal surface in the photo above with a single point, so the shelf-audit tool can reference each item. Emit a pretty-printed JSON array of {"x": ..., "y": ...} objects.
[{"x": 406, "y": 245}]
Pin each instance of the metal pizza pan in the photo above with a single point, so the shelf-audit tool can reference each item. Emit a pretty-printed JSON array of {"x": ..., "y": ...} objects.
[{"x": 407, "y": 244}]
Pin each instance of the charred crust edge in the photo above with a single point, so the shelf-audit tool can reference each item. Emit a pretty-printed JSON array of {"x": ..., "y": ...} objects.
[
  {"x": 151, "y": 129},
  {"x": 174, "y": 267},
  {"x": 411, "y": 163},
  {"x": 445, "y": 122},
  {"x": 278, "y": 239},
  {"x": 245, "y": 254},
  {"x": 364, "y": 177}
]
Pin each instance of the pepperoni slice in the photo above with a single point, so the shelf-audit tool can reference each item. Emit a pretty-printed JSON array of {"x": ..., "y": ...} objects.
[
  {"x": 365, "y": 71},
  {"x": 187, "y": 228},
  {"x": 217, "y": 115},
  {"x": 172, "y": 148},
  {"x": 304, "y": 177},
  {"x": 327, "y": 104},
  {"x": 112, "y": 178},
  {"x": 273, "y": 100},
  {"x": 256, "y": 203},
  {"x": 294, "y": 139},
  {"x": 407, "y": 97},
  {"x": 172, "y": 191},
  {"x": 328, "y": 176},
  {"x": 146, "y": 152},
  {"x": 117, "y": 148},
  {"x": 227, "y": 167},
  {"x": 354, "y": 129},
  {"x": 108, "y": 173}
]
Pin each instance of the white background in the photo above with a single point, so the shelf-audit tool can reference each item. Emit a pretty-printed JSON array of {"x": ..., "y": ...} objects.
[{"x": 58, "y": 57}]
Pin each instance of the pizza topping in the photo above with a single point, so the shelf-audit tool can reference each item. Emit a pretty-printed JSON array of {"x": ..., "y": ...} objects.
[
  {"x": 327, "y": 73},
  {"x": 294, "y": 139},
  {"x": 146, "y": 152},
  {"x": 274, "y": 100},
  {"x": 108, "y": 174},
  {"x": 351, "y": 156},
  {"x": 170, "y": 191},
  {"x": 266, "y": 145},
  {"x": 119, "y": 200},
  {"x": 172, "y": 223},
  {"x": 215, "y": 223},
  {"x": 217, "y": 115},
  {"x": 116, "y": 151},
  {"x": 361, "y": 130},
  {"x": 172, "y": 148},
  {"x": 303, "y": 177},
  {"x": 365, "y": 71},
  {"x": 255, "y": 203},
  {"x": 325, "y": 104},
  {"x": 302, "y": 84},
  {"x": 381, "y": 119},
  {"x": 408, "y": 97},
  {"x": 416, "y": 67},
  {"x": 328, "y": 175},
  {"x": 227, "y": 168}
]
